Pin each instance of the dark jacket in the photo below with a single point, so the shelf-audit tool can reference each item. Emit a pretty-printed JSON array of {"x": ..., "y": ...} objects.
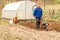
[{"x": 37, "y": 12}]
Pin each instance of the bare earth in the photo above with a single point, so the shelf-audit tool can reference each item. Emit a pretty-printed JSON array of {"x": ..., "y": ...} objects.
[{"x": 18, "y": 32}]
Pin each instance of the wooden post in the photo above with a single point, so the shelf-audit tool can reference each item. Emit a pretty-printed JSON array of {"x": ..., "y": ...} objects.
[{"x": 44, "y": 4}]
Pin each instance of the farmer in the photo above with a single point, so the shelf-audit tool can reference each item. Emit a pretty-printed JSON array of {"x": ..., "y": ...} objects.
[{"x": 37, "y": 13}]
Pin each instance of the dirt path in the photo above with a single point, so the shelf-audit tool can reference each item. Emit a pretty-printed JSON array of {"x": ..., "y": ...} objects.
[{"x": 18, "y": 32}]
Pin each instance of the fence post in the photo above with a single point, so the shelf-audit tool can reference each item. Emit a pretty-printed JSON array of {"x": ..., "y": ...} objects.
[{"x": 53, "y": 12}]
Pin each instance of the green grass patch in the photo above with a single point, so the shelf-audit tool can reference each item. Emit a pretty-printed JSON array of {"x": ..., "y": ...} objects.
[
  {"x": 4, "y": 22},
  {"x": 0, "y": 14}
]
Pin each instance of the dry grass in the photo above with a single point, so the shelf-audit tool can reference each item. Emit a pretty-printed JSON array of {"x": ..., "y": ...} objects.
[{"x": 18, "y": 32}]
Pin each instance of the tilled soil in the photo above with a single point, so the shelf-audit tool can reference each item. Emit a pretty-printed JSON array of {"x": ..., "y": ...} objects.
[{"x": 53, "y": 26}]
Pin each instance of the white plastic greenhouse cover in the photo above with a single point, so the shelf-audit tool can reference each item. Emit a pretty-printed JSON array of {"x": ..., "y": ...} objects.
[
  {"x": 13, "y": 6},
  {"x": 21, "y": 9}
]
